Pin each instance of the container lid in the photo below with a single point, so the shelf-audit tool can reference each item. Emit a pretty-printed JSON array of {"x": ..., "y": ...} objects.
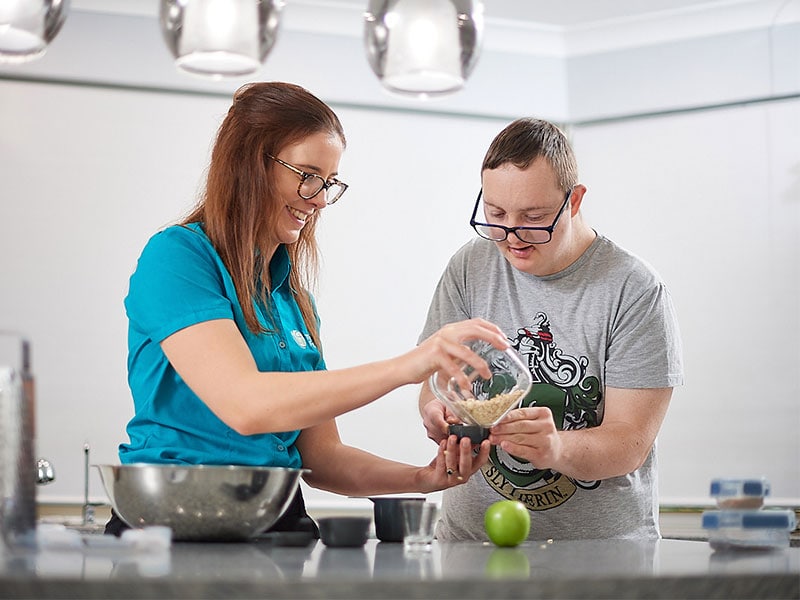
[
  {"x": 475, "y": 433},
  {"x": 740, "y": 487},
  {"x": 749, "y": 519}
]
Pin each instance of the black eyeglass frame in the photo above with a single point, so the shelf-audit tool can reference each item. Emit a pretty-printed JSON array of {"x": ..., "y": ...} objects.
[
  {"x": 305, "y": 176},
  {"x": 509, "y": 230}
]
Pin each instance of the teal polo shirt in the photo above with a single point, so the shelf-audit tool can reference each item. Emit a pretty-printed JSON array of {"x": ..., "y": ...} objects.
[{"x": 179, "y": 281}]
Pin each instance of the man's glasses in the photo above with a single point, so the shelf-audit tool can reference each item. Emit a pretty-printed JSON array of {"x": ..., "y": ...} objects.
[
  {"x": 529, "y": 235},
  {"x": 312, "y": 184}
]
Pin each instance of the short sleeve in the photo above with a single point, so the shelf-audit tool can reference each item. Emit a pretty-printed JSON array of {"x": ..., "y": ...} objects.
[
  {"x": 645, "y": 349},
  {"x": 179, "y": 281},
  {"x": 448, "y": 304}
]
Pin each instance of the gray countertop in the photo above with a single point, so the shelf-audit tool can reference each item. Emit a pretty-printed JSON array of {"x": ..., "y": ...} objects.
[{"x": 561, "y": 569}]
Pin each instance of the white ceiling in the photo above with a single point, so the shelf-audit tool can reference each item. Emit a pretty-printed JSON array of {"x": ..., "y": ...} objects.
[
  {"x": 555, "y": 27},
  {"x": 564, "y": 14}
]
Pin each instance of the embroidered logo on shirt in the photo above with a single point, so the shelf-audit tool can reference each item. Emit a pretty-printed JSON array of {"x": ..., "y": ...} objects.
[
  {"x": 561, "y": 384},
  {"x": 299, "y": 338}
]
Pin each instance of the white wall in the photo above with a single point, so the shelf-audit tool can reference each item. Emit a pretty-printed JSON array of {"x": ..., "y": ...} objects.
[
  {"x": 103, "y": 143},
  {"x": 712, "y": 200}
]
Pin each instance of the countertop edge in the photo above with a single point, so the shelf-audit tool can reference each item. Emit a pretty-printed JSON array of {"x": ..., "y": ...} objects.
[{"x": 776, "y": 586}]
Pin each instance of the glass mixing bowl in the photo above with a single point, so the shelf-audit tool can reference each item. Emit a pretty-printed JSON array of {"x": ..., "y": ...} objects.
[{"x": 484, "y": 402}]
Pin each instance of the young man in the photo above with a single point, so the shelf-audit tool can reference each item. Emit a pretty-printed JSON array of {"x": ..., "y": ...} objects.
[{"x": 598, "y": 330}]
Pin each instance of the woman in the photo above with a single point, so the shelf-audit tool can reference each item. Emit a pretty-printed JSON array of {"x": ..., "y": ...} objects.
[{"x": 224, "y": 364}]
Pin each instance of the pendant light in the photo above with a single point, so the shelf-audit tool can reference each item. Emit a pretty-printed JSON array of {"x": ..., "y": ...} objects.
[
  {"x": 28, "y": 26},
  {"x": 220, "y": 38},
  {"x": 423, "y": 48}
]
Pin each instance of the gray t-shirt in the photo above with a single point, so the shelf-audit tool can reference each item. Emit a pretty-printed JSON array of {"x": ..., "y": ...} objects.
[{"x": 606, "y": 320}]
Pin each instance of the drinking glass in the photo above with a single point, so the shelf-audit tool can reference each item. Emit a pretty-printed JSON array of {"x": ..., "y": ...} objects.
[{"x": 419, "y": 523}]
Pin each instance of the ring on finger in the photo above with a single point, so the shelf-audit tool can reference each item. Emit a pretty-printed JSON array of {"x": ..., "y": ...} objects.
[{"x": 449, "y": 471}]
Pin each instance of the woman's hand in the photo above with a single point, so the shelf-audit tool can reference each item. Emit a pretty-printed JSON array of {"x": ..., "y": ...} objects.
[
  {"x": 346, "y": 470},
  {"x": 446, "y": 351},
  {"x": 454, "y": 464}
]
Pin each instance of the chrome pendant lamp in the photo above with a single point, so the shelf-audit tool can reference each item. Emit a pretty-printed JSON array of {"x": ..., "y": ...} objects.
[
  {"x": 220, "y": 38},
  {"x": 423, "y": 48},
  {"x": 28, "y": 26}
]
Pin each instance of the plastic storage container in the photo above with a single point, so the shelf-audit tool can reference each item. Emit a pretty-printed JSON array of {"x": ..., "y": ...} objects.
[
  {"x": 749, "y": 529},
  {"x": 740, "y": 494}
]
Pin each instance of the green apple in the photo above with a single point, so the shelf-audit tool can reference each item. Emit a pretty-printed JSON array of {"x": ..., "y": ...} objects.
[{"x": 507, "y": 522}]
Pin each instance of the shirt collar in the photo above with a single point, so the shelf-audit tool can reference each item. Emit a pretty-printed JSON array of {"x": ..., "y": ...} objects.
[{"x": 279, "y": 267}]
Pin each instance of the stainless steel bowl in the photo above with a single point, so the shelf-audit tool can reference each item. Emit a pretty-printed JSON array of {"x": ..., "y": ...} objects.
[{"x": 200, "y": 502}]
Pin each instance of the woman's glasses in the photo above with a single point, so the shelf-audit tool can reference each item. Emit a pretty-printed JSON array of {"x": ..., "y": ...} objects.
[{"x": 312, "y": 184}]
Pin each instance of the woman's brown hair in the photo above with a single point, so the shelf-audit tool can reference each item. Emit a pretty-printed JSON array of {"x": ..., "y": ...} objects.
[{"x": 237, "y": 205}]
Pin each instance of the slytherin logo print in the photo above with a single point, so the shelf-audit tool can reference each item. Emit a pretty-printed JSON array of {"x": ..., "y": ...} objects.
[{"x": 561, "y": 384}]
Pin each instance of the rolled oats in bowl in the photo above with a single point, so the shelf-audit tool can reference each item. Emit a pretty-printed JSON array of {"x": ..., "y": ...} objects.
[{"x": 488, "y": 412}]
